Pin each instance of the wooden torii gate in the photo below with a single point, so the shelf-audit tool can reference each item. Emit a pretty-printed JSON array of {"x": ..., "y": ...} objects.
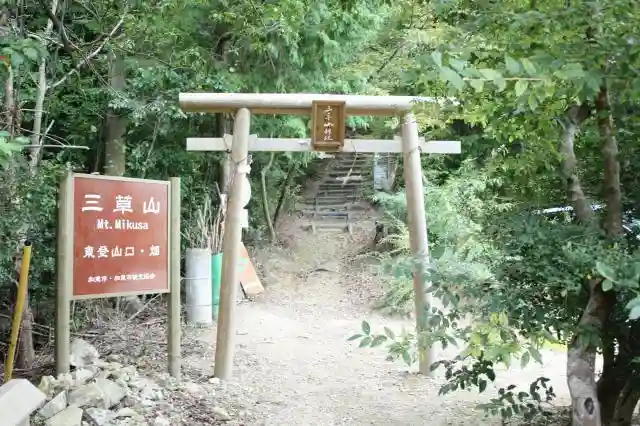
[{"x": 328, "y": 113}]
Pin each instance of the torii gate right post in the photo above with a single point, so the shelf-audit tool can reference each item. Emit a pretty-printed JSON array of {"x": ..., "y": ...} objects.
[{"x": 328, "y": 114}]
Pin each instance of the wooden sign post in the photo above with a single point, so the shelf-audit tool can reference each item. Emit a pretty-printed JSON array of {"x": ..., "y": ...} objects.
[{"x": 117, "y": 237}]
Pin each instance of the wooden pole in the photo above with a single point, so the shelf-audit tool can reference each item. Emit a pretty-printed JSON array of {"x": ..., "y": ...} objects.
[
  {"x": 231, "y": 248},
  {"x": 300, "y": 103},
  {"x": 418, "y": 233},
  {"x": 174, "y": 327},
  {"x": 304, "y": 145},
  {"x": 64, "y": 270},
  {"x": 21, "y": 300}
]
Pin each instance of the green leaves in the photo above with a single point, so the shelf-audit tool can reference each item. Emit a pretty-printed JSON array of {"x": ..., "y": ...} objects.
[
  {"x": 521, "y": 87},
  {"x": 490, "y": 74},
  {"x": 512, "y": 66},
  {"x": 437, "y": 58},
  {"x": 570, "y": 71},
  {"x": 10, "y": 146},
  {"x": 478, "y": 85},
  {"x": 449, "y": 75},
  {"x": 31, "y": 53},
  {"x": 535, "y": 354},
  {"x": 634, "y": 309},
  {"x": 608, "y": 273},
  {"x": 528, "y": 67}
]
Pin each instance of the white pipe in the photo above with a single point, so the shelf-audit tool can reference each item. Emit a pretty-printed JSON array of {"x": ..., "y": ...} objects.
[{"x": 198, "y": 286}]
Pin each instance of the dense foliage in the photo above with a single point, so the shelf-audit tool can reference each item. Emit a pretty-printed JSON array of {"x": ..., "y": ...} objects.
[
  {"x": 542, "y": 93},
  {"x": 548, "y": 91}
]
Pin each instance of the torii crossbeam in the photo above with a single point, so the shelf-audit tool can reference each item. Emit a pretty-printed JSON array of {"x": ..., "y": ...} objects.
[{"x": 328, "y": 113}]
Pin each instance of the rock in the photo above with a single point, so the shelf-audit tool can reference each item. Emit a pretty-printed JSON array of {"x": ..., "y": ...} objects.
[
  {"x": 47, "y": 385},
  {"x": 70, "y": 416},
  {"x": 102, "y": 393},
  {"x": 193, "y": 388},
  {"x": 214, "y": 381},
  {"x": 83, "y": 353},
  {"x": 125, "y": 373},
  {"x": 100, "y": 416},
  {"x": 82, "y": 376},
  {"x": 128, "y": 412},
  {"x": 161, "y": 421},
  {"x": 87, "y": 396},
  {"x": 53, "y": 407},
  {"x": 152, "y": 394},
  {"x": 142, "y": 383},
  {"x": 113, "y": 358},
  {"x": 221, "y": 414},
  {"x": 18, "y": 400},
  {"x": 65, "y": 381}
]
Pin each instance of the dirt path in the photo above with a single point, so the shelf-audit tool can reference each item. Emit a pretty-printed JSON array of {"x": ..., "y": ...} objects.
[{"x": 294, "y": 366}]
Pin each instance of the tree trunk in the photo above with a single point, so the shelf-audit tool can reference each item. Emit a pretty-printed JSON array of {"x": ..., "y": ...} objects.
[
  {"x": 37, "y": 138},
  {"x": 611, "y": 380},
  {"x": 26, "y": 350},
  {"x": 611, "y": 185},
  {"x": 9, "y": 103},
  {"x": 265, "y": 198},
  {"x": 115, "y": 147},
  {"x": 223, "y": 126},
  {"x": 283, "y": 192},
  {"x": 575, "y": 116},
  {"x": 580, "y": 373},
  {"x": 581, "y": 354},
  {"x": 626, "y": 404}
]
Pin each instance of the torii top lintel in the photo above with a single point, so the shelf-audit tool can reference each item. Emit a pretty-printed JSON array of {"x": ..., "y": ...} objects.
[{"x": 296, "y": 103}]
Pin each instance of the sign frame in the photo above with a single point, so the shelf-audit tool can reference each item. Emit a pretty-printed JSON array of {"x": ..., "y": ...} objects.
[
  {"x": 66, "y": 259},
  {"x": 72, "y": 223}
]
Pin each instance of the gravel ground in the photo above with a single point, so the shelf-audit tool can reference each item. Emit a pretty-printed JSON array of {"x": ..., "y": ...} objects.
[{"x": 294, "y": 366}]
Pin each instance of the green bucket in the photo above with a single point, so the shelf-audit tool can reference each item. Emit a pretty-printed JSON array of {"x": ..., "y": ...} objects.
[{"x": 216, "y": 278}]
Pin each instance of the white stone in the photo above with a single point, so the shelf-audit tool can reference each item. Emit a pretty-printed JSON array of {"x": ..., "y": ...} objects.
[
  {"x": 53, "y": 407},
  {"x": 70, "y": 416},
  {"x": 102, "y": 393},
  {"x": 82, "y": 376},
  {"x": 99, "y": 416},
  {"x": 161, "y": 421},
  {"x": 18, "y": 400},
  {"x": 83, "y": 353},
  {"x": 221, "y": 414},
  {"x": 193, "y": 388},
  {"x": 128, "y": 412},
  {"x": 47, "y": 385}
]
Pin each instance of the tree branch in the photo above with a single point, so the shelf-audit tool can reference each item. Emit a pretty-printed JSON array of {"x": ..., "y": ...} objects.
[
  {"x": 570, "y": 127},
  {"x": 92, "y": 55},
  {"x": 58, "y": 25}
]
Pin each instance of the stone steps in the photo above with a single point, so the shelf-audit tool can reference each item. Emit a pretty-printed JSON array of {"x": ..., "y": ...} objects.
[{"x": 334, "y": 203}]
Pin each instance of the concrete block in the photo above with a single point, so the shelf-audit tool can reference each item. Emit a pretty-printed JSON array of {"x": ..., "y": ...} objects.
[{"x": 18, "y": 400}]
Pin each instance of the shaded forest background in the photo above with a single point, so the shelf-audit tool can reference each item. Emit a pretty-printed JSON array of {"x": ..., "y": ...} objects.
[{"x": 546, "y": 105}]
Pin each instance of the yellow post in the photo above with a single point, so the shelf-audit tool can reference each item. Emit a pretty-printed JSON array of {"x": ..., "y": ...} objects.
[{"x": 23, "y": 287}]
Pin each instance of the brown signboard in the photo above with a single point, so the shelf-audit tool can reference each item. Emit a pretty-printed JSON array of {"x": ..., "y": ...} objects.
[
  {"x": 120, "y": 236},
  {"x": 328, "y": 125}
]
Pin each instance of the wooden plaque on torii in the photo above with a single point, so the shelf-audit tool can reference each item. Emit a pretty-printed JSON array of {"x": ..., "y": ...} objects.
[{"x": 328, "y": 122}]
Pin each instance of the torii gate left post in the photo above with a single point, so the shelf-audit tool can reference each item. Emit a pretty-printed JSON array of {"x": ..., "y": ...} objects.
[{"x": 328, "y": 113}]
